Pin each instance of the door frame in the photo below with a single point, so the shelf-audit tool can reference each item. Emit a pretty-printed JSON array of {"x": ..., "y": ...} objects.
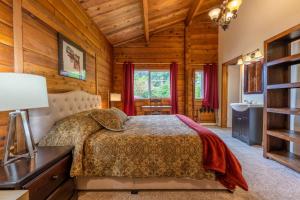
[{"x": 224, "y": 92}]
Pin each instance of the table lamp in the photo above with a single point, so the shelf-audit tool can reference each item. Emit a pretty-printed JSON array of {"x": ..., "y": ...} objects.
[
  {"x": 19, "y": 92},
  {"x": 114, "y": 97}
]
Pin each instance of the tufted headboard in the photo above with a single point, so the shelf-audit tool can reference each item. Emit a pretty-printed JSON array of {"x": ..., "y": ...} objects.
[{"x": 60, "y": 105}]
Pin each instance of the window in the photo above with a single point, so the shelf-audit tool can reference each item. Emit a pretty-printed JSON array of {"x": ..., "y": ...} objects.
[
  {"x": 151, "y": 84},
  {"x": 199, "y": 84},
  {"x": 141, "y": 84}
]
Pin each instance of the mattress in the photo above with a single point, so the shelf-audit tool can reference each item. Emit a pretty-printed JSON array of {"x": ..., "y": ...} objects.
[{"x": 150, "y": 146}]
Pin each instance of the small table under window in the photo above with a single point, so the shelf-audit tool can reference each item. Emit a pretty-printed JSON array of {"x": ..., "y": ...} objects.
[{"x": 163, "y": 109}]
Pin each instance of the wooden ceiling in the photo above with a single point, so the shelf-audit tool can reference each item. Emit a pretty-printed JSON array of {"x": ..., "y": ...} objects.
[{"x": 122, "y": 21}]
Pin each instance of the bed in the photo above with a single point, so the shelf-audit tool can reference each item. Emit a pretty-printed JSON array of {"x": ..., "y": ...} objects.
[{"x": 153, "y": 152}]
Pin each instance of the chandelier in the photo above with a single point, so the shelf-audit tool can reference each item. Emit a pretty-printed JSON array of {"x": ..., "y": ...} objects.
[{"x": 223, "y": 15}]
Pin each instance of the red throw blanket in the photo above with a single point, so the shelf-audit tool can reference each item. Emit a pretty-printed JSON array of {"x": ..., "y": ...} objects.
[{"x": 217, "y": 157}]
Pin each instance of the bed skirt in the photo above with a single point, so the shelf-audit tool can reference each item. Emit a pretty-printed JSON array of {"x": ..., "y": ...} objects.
[{"x": 120, "y": 183}]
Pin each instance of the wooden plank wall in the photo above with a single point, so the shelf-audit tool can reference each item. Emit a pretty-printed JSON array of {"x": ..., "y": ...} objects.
[
  {"x": 6, "y": 55},
  {"x": 42, "y": 20},
  {"x": 196, "y": 44},
  {"x": 164, "y": 47},
  {"x": 201, "y": 47}
]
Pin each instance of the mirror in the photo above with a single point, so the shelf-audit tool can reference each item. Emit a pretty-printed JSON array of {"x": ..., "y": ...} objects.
[{"x": 253, "y": 78}]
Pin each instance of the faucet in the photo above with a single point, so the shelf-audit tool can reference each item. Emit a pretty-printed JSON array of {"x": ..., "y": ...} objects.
[{"x": 249, "y": 101}]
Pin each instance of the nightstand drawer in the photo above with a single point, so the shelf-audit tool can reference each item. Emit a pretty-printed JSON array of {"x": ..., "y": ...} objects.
[
  {"x": 43, "y": 185},
  {"x": 64, "y": 192}
]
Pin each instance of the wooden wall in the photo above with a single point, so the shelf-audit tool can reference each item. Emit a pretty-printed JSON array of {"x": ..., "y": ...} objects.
[
  {"x": 201, "y": 47},
  {"x": 41, "y": 21},
  {"x": 165, "y": 47},
  {"x": 197, "y": 44},
  {"x": 6, "y": 55}
]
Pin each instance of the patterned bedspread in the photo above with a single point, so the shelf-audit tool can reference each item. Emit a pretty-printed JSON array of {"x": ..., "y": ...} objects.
[{"x": 151, "y": 146}]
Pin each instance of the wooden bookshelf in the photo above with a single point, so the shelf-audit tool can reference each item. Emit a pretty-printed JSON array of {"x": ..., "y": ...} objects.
[
  {"x": 288, "y": 135},
  {"x": 284, "y": 86},
  {"x": 286, "y": 158},
  {"x": 285, "y": 111},
  {"x": 277, "y": 135},
  {"x": 288, "y": 60}
]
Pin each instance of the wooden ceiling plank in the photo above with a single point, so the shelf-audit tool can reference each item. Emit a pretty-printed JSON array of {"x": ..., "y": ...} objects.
[
  {"x": 165, "y": 25},
  {"x": 161, "y": 9},
  {"x": 193, "y": 11},
  {"x": 145, "y": 10},
  {"x": 124, "y": 36},
  {"x": 110, "y": 6},
  {"x": 117, "y": 26},
  {"x": 122, "y": 13},
  {"x": 166, "y": 20},
  {"x": 160, "y": 28},
  {"x": 127, "y": 41},
  {"x": 121, "y": 29},
  {"x": 127, "y": 30},
  {"x": 124, "y": 21}
]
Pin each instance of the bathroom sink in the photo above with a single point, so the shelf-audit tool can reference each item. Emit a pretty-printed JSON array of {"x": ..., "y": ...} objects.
[{"x": 243, "y": 106}]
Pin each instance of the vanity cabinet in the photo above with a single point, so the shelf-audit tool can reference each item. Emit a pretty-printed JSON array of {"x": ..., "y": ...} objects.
[{"x": 247, "y": 126}]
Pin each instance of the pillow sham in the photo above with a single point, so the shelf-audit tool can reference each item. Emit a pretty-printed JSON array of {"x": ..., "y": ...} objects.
[
  {"x": 72, "y": 130},
  {"x": 121, "y": 114},
  {"x": 108, "y": 119}
]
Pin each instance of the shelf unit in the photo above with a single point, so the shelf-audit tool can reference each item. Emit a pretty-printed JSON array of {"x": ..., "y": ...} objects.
[{"x": 277, "y": 135}]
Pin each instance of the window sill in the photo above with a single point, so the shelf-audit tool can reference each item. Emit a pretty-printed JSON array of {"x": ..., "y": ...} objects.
[{"x": 148, "y": 99}]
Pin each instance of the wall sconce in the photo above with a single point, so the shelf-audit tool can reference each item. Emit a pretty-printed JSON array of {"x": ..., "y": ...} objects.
[
  {"x": 258, "y": 55},
  {"x": 247, "y": 59},
  {"x": 240, "y": 61},
  {"x": 250, "y": 57}
]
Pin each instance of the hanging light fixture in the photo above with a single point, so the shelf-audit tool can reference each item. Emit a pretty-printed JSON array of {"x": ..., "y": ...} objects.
[{"x": 223, "y": 15}]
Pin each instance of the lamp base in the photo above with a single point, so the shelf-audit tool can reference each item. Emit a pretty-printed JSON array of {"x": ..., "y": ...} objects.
[{"x": 8, "y": 155}]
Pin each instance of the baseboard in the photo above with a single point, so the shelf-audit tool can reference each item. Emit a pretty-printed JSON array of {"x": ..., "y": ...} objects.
[{"x": 208, "y": 124}]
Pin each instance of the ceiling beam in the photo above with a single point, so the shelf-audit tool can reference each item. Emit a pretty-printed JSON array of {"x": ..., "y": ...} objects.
[
  {"x": 161, "y": 28},
  {"x": 193, "y": 11},
  {"x": 145, "y": 10}
]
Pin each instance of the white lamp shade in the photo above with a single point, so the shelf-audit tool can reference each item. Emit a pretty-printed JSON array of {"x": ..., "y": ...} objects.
[
  {"x": 247, "y": 59},
  {"x": 214, "y": 13},
  {"x": 258, "y": 54},
  {"x": 115, "y": 97},
  {"x": 22, "y": 91},
  {"x": 234, "y": 5},
  {"x": 229, "y": 15},
  {"x": 240, "y": 61}
]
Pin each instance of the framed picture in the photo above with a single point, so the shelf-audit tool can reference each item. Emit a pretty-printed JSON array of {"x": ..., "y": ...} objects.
[{"x": 71, "y": 59}]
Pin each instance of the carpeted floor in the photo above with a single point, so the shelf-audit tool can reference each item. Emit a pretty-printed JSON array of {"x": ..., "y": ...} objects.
[{"x": 267, "y": 180}]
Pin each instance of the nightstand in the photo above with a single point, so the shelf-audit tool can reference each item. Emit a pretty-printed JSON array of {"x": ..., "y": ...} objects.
[
  {"x": 47, "y": 176},
  {"x": 14, "y": 194}
]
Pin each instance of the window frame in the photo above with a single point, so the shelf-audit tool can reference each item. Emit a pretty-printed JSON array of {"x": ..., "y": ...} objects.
[
  {"x": 202, "y": 85},
  {"x": 149, "y": 82}
]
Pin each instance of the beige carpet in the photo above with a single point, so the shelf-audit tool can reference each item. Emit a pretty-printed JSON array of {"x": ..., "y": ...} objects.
[{"x": 267, "y": 180}]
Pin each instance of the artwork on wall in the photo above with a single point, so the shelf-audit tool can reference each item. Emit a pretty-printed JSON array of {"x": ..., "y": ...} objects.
[{"x": 71, "y": 59}]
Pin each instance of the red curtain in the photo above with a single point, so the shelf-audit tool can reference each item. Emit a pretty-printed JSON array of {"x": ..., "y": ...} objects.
[
  {"x": 173, "y": 81},
  {"x": 128, "y": 88},
  {"x": 211, "y": 99}
]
